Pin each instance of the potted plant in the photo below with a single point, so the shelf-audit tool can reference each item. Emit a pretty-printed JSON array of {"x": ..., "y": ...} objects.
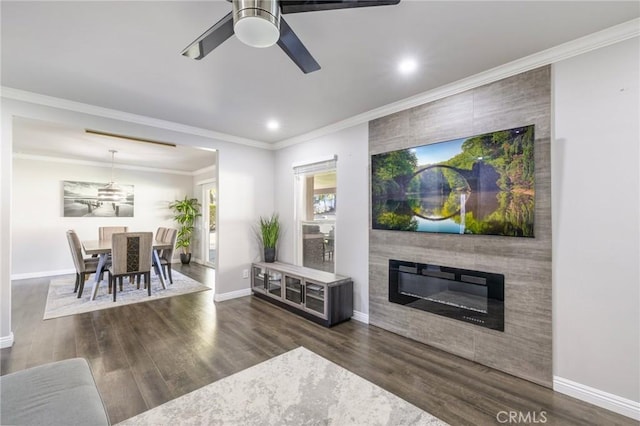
[
  {"x": 268, "y": 234},
  {"x": 185, "y": 213}
]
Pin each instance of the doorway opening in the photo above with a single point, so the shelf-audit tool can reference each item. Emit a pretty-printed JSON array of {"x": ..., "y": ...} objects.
[{"x": 209, "y": 219}]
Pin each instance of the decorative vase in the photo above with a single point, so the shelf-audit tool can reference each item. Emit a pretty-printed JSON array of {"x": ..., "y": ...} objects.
[
  {"x": 185, "y": 258},
  {"x": 269, "y": 254}
]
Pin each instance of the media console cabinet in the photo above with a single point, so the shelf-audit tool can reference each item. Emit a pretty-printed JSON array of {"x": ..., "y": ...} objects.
[{"x": 320, "y": 296}]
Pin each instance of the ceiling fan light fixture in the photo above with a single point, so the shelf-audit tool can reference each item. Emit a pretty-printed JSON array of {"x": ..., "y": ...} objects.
[{"x": 256, "y": 22}]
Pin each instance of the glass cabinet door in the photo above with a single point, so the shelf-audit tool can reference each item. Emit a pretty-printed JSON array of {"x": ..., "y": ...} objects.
[
  {"x": 258, "y": 275},
  {"x": 274, "y": 283},
  {"x": 293, "y": 289},
  {"x": 314, "y": 297}
]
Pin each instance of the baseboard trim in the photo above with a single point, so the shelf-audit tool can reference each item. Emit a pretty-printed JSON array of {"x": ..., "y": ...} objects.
[
  {"x": 232, "y": 295},
  {"x": 42, "y": 274},
  {"x": 361, "y": 317},
  {"x": 594, "y": 396},
  {"x": 6, "y": 341}
]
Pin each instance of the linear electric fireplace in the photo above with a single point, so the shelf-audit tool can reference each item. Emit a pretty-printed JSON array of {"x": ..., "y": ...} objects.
[{"x": 472, "y": 296}]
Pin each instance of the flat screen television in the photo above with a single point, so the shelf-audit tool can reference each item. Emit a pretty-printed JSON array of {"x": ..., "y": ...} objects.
[{"x": 482, "y": 185}]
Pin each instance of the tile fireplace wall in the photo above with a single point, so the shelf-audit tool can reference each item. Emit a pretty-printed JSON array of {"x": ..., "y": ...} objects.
[{"x": 524, "y": 348}]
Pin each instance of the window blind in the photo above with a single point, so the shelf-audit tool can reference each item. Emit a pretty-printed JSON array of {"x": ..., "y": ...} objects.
[{"x": 316, "y": 167}]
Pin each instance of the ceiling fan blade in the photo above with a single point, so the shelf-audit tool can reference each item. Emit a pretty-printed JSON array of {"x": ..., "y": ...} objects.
[
  {"x": 295, "y": 6},
  {"x": 212, "y": 38},
  {"x": 293, "y": 47}
]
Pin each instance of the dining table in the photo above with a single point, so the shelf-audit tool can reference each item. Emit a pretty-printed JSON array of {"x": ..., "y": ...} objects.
[{"x": 102, "y": 248}]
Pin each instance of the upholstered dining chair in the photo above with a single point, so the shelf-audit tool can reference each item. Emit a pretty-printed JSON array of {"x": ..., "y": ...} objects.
[
  {"x": 84, "y": 267},
  {"x": 167, "y": 254},
  {"x": 130, "y": 256},
  {"x": 160, "y": 234},
  {"x": 105, "y": 232}
]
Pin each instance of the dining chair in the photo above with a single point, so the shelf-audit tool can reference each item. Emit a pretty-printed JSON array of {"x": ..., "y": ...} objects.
[
  {"x": 105, "y": 232},
  {"x": 160, "y": 234},
  {"x": 166, "y": 255},
  {"x": 84, "y": 267},
  {"x": 130, "y": 256}
]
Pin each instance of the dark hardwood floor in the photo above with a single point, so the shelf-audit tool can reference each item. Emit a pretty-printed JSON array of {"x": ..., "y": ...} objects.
[{"x": 145, "y": 354}]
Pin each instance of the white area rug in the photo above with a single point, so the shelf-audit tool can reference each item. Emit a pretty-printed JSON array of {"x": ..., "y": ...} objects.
[
  {"x": 296, "y": 388},
  {"x": 62, "y": 301}
]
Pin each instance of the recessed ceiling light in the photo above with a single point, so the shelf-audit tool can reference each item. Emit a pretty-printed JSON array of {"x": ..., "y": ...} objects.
[
  {"x": 273, "y": 125},
  {"x": 407, "y": 66}
]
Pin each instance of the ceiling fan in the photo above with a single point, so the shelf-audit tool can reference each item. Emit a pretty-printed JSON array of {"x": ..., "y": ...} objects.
[{"x": 257, "y": 23}]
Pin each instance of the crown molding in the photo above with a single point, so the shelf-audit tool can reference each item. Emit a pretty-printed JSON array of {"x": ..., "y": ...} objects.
[
  {"x": 50, "y": 159},
  {"x": 606, "y": 37},
  {"x": 50, "y": 101},
  {"x": 203, "y": 170}
]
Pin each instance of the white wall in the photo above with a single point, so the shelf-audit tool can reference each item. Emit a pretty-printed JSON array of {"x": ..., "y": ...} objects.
[
  {"x": 352, "y": 217},
  {"x": 596, "y": 211},
  {"x": 245, "y": 192},
  {"x": 245, "y": 177},
  {"x": 6, "y": 335},
  {"x": 39, "y": 244}
]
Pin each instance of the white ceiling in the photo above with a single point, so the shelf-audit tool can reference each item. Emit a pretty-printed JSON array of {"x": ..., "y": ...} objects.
[
  {"x": 38, "y": 138},
  {"x": 126, "y": 56}
]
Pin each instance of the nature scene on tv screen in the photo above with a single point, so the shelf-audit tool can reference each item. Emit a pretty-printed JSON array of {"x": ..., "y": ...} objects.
[{"x": 478, "y": 185}]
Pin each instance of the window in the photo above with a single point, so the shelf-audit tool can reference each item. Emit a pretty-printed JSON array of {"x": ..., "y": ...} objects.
[{"x": 315, "y": 215}]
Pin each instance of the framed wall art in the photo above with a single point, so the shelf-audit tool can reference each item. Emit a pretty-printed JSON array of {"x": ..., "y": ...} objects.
[{"x": 92, "y": 199}]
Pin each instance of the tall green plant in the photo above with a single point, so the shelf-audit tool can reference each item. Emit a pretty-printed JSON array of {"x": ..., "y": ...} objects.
[
  {"x": 269, "y": 231},
  {"x": 185, "y": 213}
]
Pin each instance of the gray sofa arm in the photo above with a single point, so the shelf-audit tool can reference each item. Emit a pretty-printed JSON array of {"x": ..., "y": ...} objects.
[{"x": 60, "y": 393}]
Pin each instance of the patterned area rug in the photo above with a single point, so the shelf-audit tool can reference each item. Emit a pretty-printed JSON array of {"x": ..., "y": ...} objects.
[
  {"x": 62, "y": 301},
  {"x": 296, "y": 388}
]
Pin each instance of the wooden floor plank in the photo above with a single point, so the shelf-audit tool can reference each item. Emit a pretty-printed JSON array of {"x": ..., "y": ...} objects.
[
  {"x": 145, "y": 354},
  {"x": 106, "y": 325},
  {"x": 64, "y": 342},
  {"x": 153, "y": 388}
]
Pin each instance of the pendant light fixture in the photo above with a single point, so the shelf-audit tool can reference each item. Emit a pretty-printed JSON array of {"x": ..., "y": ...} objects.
[{"x": 111, "y": 192}]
